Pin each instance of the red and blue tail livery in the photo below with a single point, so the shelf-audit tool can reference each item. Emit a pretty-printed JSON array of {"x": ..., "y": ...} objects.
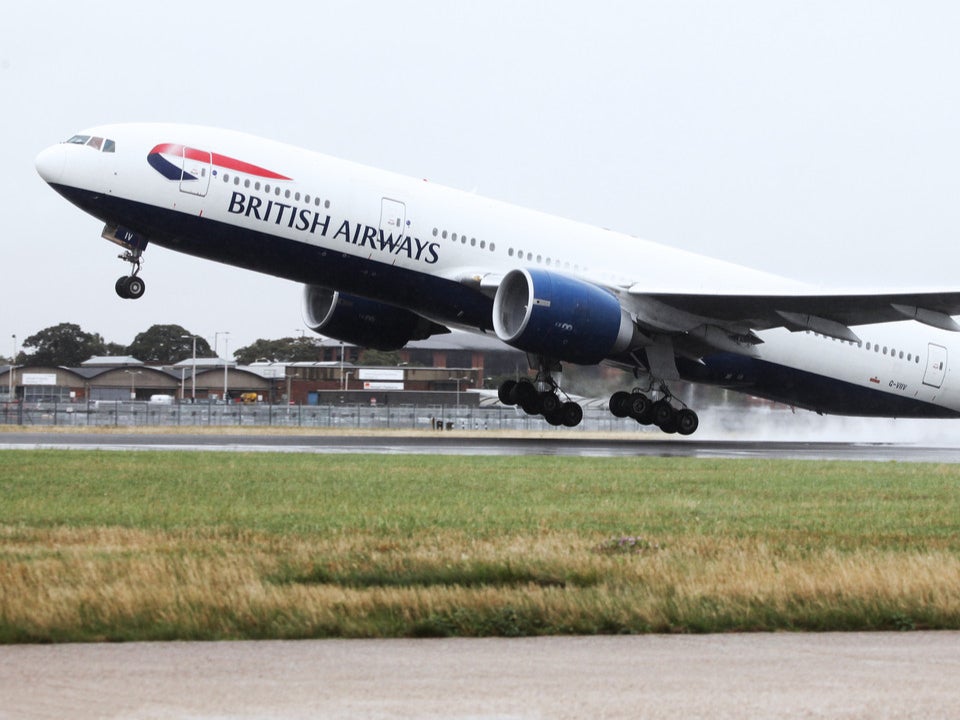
[{"x": 167, "y": 159}]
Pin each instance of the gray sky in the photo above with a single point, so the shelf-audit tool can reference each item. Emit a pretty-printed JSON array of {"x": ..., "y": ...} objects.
[{"x": 819, "y": 140}]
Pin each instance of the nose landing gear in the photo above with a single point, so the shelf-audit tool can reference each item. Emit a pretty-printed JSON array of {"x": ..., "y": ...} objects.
[{"x": 131, "y": 287}]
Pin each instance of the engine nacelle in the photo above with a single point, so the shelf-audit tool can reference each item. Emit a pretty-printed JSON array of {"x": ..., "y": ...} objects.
[
  {"x": 362, "y": 322},
  {"x": 560, "y": 317}
]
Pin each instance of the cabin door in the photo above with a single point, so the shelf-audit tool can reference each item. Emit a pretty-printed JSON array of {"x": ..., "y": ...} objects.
[
  {"x": 197, "y": 166},
  {"x": 936, "y": 365},
  {"x": 393, "y": 218}
]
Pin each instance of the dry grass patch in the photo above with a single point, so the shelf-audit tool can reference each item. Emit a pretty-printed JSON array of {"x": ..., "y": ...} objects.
[
  {"x": 118, "y": 584},
  {"x": 140, "y": 546}
]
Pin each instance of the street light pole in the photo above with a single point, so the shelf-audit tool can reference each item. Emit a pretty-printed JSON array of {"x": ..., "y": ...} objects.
[
  {"x": 133, "y": 387},
  {"x": 457, "y": 380},
  {"x": 13, "y": 362},
  {"x": 193, "y": 378},
  {"x": 226, "y": 342}
]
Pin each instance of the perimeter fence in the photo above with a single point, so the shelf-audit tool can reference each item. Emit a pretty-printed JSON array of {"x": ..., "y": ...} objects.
[{"x": 351, "y": 416}]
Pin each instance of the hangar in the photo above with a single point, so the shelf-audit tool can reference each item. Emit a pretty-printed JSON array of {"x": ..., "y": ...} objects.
[
  {"x": 442, "y": 367},
  {"x": 126, "y": 378}
]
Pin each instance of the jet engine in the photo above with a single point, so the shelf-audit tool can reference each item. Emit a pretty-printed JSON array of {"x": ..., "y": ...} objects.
[
  {"x": 363, "y": 322},
  {"x": 560, "y": 317}
]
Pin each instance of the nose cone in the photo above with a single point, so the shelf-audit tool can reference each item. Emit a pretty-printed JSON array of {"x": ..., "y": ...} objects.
[{"x": 50, "y": 163}]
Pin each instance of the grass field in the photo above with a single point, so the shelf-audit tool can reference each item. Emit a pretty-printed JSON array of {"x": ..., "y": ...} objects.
[{"x": 144, "y": 546}]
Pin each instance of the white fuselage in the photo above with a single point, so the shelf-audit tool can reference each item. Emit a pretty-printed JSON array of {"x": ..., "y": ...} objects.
[{"x": 438, "y": 251}]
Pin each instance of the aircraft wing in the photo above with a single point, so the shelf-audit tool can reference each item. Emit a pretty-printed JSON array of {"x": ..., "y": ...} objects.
[{"x": 830, "y": 314}]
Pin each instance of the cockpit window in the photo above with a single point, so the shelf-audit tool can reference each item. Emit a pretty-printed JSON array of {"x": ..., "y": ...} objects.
[{"x": 97, "y": 143}]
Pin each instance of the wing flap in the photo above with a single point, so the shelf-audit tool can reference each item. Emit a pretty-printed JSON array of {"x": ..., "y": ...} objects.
[{"x": 830, "y": 314}]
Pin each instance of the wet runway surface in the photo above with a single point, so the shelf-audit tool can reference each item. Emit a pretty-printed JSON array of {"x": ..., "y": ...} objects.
[
  {"x": 487, "y": 444},
  {"x": 782, "y": 675}
]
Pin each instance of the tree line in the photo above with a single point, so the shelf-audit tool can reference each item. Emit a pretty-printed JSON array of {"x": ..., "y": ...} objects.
[{"x": 69, "y": 345}]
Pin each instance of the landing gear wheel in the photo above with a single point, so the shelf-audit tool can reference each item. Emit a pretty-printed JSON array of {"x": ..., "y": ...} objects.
[
  {"x": 672, "y": 424},
  {"x": 130, "y": 287},
  {"x": 549, "y": 403},
  {"x": 646, "y": 417},
  {"x": 521, "y": 391},
  {"x": 571, "y": 414},
  {"x": 639, "y": 407},
  {"x": 531, "y": 404},
  {"x": 505, "y": 390},
  {"x": 687, "y": 422},
  {"x": 662, "y": 413},
  {"x": 554, "y": 417},
  {"x": 620, "y": 404},
  {"x": 135, "y": 287}
]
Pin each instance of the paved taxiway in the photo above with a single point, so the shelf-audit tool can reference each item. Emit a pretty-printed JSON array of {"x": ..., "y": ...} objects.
[
  {"x": 484, "y": 444},
  {"x": 784, "y": 675}
]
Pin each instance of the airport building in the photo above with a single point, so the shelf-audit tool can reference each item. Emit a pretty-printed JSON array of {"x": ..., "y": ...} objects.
[{"x": 441, "y": 369}]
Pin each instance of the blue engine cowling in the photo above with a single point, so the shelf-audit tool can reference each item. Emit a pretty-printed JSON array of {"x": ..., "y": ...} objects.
[
  {"x": 363, "y": 322},
  {"x": 560, "y": 317}
]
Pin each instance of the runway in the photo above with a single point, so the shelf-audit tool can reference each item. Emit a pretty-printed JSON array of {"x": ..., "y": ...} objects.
[
  {"x": 783, "y": 675},
  {"x": 484, "y": 443}
]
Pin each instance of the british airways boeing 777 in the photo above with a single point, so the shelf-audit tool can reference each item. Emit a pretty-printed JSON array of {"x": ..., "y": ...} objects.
[{"x": 386, "y": 259}]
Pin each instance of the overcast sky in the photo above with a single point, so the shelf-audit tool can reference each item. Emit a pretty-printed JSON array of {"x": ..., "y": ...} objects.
[{"x": 819, "y": 140}]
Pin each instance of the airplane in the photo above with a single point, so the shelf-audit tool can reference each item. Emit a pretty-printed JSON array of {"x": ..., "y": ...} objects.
[{"x": 386, "y": 259}]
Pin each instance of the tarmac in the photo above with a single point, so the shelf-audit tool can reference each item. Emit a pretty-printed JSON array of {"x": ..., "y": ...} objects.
[{"x": 781, "y": 675}]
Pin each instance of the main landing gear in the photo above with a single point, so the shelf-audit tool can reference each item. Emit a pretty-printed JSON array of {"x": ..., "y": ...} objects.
[
  {"x": 541, "y": 396},
  {"x": 659, "y": 412},
  {"x": 131, "y": 287}
]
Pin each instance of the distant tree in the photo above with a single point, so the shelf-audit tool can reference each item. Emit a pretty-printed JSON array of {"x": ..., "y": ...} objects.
[
  {"x": 379, "y": 357},
  {"x": 167, "y": 344},
  {"x": 63, "y": 344},
  {"x": 288, "y": 349},
  {"x": 114, "y": 349}
]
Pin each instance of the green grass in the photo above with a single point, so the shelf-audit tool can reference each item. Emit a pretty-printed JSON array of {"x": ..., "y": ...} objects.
[{"x": 144, "y": 545}]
